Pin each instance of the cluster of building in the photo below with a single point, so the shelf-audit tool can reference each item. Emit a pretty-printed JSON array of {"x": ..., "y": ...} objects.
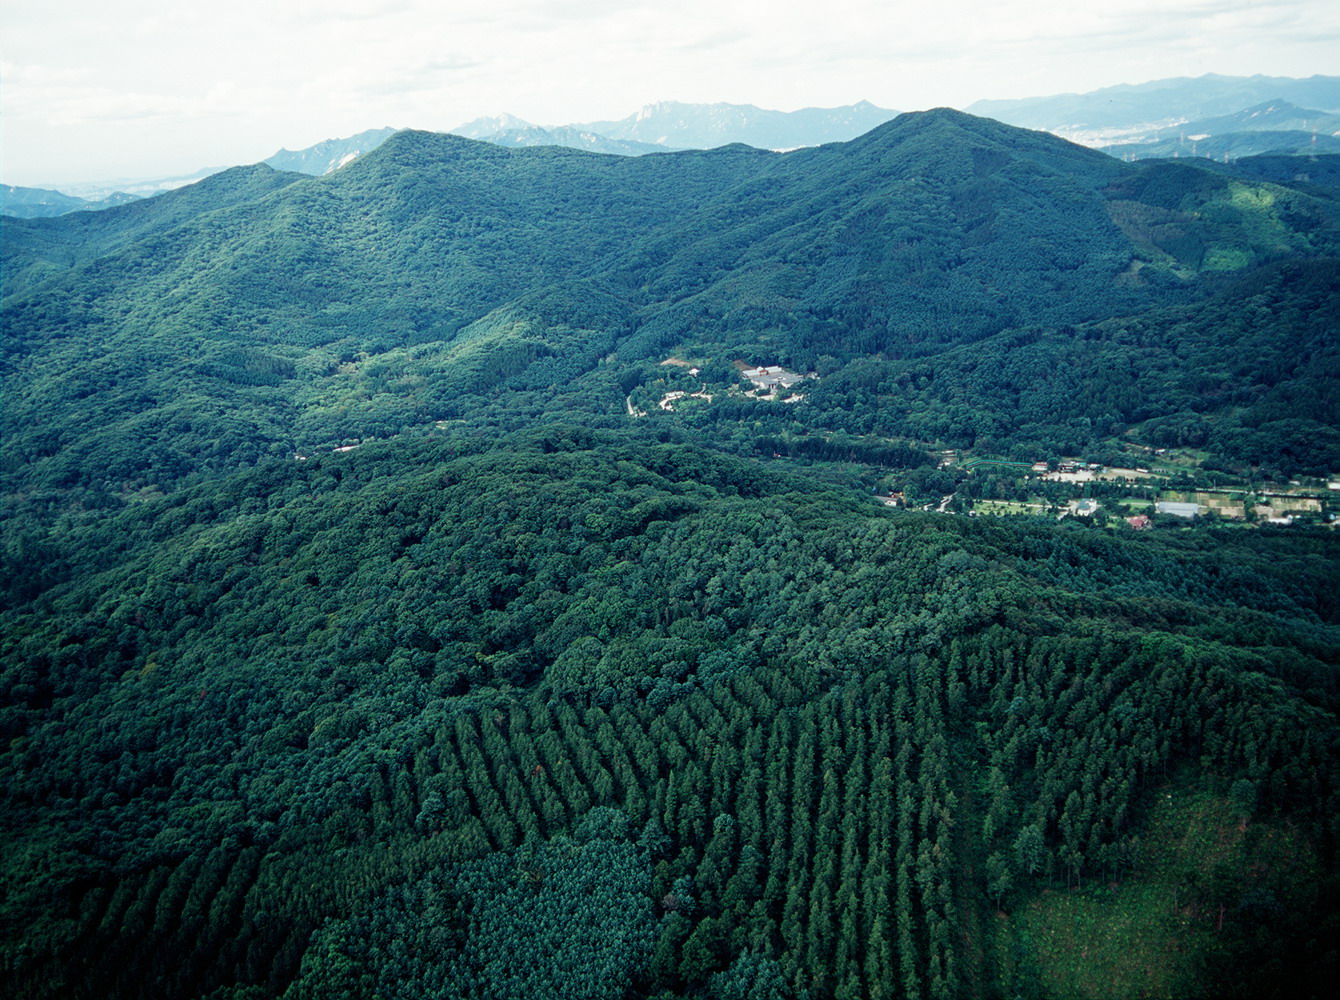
[{"x": 773, "y": 377}]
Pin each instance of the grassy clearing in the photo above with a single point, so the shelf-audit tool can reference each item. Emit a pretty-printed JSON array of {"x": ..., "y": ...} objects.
[
  {"x": 1115, "y": 943},
  {"x": 1156, "y": 933},
  {"x": 1004, "y": 507}
]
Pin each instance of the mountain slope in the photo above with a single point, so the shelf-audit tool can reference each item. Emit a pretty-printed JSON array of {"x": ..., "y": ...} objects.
[
  {"x": 255, "y": 305},
  {"x": 261, "y": 733},
  {"x": 898, "y": 235},
  {"x": 35, "y": 250}
]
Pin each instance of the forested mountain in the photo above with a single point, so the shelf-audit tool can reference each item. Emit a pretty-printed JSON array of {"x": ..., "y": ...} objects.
[
  {"x": 405, "y": 596},
  {"x": 461, "y": 267}
]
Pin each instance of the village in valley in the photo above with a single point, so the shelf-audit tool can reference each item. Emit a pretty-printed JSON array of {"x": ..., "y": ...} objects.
[
  {"x": 1152, "y": 486},
  {"x": 768, "y": 382},
  {"x": 1167, "y": 491}
]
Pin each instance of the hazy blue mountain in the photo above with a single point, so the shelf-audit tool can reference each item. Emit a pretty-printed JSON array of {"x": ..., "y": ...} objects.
[
  {"x": 482, "y": 128},
  {"x": 39, "y": 203},
  {"x": 1271, "y": 127},
  {"x": 672, "y": 125},
  {"x": 1231, "y": 145},
  {"x": 570, "y": 136},
  {"x": 36, "y": 203},
  {"x": 1132, "y": 110},
  {"x": 139, "y": 187},
  {"x": 330, "y": 154},
  {"x": 1269, "y": 116},
  {"x": 704, "y": 126}
]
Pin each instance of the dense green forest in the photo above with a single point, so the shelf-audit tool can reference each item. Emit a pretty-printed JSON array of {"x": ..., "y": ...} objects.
[{"x": 371, "y": 629}]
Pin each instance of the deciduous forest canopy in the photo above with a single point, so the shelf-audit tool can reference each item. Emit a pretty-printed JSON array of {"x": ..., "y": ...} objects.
[{"x": 407, "y": 596}]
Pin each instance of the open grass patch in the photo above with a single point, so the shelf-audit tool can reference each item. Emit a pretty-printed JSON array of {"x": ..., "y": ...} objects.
[
  {"x": 1210, "y": 884},
  {"x": 1000, "y": 508}
]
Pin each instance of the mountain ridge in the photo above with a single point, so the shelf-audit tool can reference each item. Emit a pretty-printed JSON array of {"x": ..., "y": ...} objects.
[
  {"x": 936, "y": 229},
  {"x": 808, "y": 126}
]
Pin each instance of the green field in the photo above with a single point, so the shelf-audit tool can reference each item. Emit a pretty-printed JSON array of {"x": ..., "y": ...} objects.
[
  {"x": 1162, "y": 931},
  {"x": 1003, "y": 507}
]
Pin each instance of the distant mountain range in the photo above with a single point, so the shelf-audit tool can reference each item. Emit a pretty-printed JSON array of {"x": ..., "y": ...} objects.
[
  {"x": 330, "y": 154},
  {"x": 705, "y": 126},
  {"x": 508, "y": 130},
  {"x": 672, "y": 125},
  {"x": 1209, "y": 116},
  {"x": 1271, "y": 127},
  {"x": 1270, "y": 116},
  {"x": 1127, "y": 112},
  {"x": 39, "y": 203}
]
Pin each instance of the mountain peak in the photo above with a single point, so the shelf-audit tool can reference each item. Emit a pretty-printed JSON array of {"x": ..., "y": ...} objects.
[
  {"x": 479, "y": 128},
  {"x": 329, "y": 154}
]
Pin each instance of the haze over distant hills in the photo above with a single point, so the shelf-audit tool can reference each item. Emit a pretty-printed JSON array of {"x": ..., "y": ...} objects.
[
  {"x": 1144, "y": 113},
  {"x": 508, "y": 130},
  {"x": 37, "y": 203},
  {"x": 672, "y": 125},
  {"x": 1129, "y": 111},
  {"x": 330, "y": 154},
  {"x": 704, "y": 126},
  {"x": 1274, "y": 126}
]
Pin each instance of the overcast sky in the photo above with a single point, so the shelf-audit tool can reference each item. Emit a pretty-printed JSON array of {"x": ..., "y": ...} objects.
[{"x": 93, "y": 90}]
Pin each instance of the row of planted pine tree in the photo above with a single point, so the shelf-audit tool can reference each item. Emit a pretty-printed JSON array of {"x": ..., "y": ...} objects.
[{"x": 819, "y": 821}]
